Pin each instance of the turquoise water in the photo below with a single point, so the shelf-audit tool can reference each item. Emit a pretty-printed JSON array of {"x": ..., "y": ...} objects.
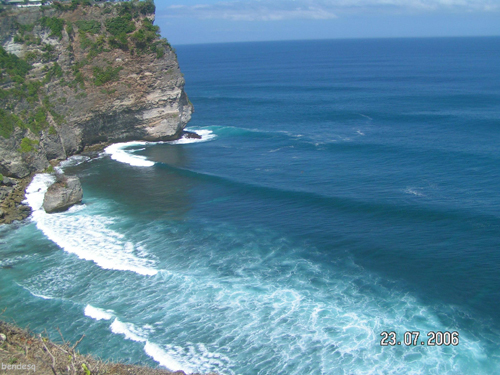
[{"x": 341, "y": 189}]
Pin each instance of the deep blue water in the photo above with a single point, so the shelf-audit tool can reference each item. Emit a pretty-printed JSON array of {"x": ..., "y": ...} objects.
[{"x": 345, "y": 188}]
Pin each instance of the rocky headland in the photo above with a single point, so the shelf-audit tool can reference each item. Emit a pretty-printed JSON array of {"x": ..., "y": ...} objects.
[{"x": 77, "y": 75}]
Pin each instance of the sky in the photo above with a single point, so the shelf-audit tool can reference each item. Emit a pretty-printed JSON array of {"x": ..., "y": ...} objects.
[{"x": 215, "y": 21}]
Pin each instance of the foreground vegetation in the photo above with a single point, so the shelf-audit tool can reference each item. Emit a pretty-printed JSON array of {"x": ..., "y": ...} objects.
[{"x": 20, "y": 347}]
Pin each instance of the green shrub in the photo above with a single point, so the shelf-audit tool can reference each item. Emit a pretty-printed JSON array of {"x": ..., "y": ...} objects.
[
  {"x": 49, "y": 52},
  {"x": 27, "y": 145},
  {"x": 32, "y": 88},
  {"x": 31, "y": 56},
  {"x": 12, "y": 65},
  {"x": 160, "y": 52},
  {"x": 54, "y": 71},
  {"x": 108, "y": 92},
  {"x": 120, "y": 41},
  {"x": 146, "y": 7},
  {"x": 58, "y": 118},
  {"x": 96, "y": 48},
  {"x": 22, "y": 29},
  {"x": 56, "y": 25},
  {"x": 80, "y": 79},
  {"x": 85, "y": 41},
  {"x": 133, "y": 8},
  {"x": 103, "y": 76},
  {"x": 119, "y": 25},
  {"x": 91, "y": 26},
  {"x": 70, "y": 30},
  {"x": 8, "y": 122},
  {"x": 37, "y": 121},
  {"x": 1, "y": 177}
]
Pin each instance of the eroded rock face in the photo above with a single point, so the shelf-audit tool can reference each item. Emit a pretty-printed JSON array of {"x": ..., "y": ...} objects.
[
  {"x": 145, "y": 102},
  {"x": 62, "y": 194}
]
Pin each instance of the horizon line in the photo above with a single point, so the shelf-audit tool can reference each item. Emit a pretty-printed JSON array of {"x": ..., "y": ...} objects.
[{"x": 343, "y": 38}]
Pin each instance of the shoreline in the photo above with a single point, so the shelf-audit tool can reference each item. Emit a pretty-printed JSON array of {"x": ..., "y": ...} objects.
[{"x": 11, "y": 206}]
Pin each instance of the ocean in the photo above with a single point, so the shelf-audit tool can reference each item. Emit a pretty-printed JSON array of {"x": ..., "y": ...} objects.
[{"x": 341, "y": 189}]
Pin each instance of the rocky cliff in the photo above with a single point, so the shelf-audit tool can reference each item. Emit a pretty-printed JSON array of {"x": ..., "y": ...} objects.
[{"x": 76, "y": 74}]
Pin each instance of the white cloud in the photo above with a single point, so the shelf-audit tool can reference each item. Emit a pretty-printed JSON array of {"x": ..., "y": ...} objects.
[
  {"x": 273, "y": 10},
  {"x": 253, "y": 10}
]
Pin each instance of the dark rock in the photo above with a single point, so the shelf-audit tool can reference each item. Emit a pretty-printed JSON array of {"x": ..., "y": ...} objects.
[
  {"x": 9, "y": 181},
  {"x": 190, "y": 135},
  {"x": 63, "y": 194}
]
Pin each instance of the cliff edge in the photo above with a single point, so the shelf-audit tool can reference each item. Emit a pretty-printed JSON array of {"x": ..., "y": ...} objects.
[{"x": 77, "y": 74}]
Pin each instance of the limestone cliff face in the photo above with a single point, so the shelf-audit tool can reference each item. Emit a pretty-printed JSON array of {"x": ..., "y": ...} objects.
[{"x": 99, "y": 73}]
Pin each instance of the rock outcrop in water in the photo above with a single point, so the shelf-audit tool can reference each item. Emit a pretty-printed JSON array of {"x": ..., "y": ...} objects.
[
  {"x": 77, "y": 74},
  {"x": 62, "y": 194}
]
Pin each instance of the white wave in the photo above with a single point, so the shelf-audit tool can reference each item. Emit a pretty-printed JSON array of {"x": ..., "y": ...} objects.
[
  {"x": 34, "y": 294},
  {"x": 128, "y": 330},
  {"x": 205, "y": 134},
  {"x": 165, "y": 359},
  {"x": 97, "y": 313},
  {"x": 87, "y": 236},
  {"x": 118, "y": 152},
  {"x": 131, "y": 332},
  {"x": 35, "y": 192},
  {"x": 360, "y": 132}
]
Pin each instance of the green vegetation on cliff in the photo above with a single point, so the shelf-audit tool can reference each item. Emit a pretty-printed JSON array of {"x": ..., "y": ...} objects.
[
  {"x": 103, "y": 76},
  {"x": 12, "y": 66},
  {"x": 8, "y": 122},
  {"x": 91, "y": 26},
  {"x": 56, "y": 25},
  {"x": 27, "y": 145},
  {"x": 120, "y": 25}
]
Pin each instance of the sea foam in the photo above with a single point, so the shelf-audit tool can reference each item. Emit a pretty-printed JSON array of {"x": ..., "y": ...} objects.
[
  {"x": 118, "y": 152},
  {"x": 98, "y": 314},
  {"x": 121, "y": 151},
  {"x": 87, "y": 236},
  {"x": 131, "y": 332}
]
